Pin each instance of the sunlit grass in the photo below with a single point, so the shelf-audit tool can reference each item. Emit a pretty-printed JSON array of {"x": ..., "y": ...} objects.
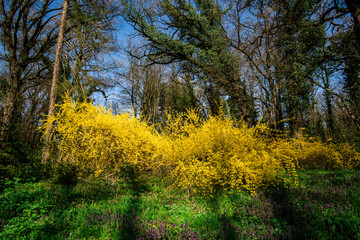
[{"x": 325, "y": 205}]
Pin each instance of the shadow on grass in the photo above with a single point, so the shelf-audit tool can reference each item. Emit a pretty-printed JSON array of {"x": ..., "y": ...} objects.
[
  {"x": 286, "y": 212},
  {"x": 226, "y": 229},
  {"x": 289, "y": 206},
  {"x": 321, "y": 209},
  {"x": 121, "y": 223},
  {"x": 130, "y": 225},
  {"x": 28, "y": 206},
  {"x": 324, "y": 207},
  {"x": 53, "y": 211}
]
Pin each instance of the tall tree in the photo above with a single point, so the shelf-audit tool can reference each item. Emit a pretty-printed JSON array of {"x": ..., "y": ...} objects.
[
  {"x": 152, "y": 90},
  {"x": 88, "y": 36},
  {"x": 251, "y": 31},
  {"x": 192, "y": 33},
  {"x": 55, "y": 80},
  {"x": 88, "y": 47},
  {"x": 299, "y": 41},
  {"x": 351, "y": 55},
  {"x": 27, "y": 34},
  {"x": 354, "y": 8}
]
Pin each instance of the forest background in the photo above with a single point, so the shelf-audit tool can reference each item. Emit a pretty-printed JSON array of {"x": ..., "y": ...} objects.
[{"x": 293, "y": 65}]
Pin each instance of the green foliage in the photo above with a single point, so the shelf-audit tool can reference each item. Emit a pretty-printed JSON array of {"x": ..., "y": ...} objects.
[
  {"x": 87, "y": 188},
  {"x": 65, "y": 173},
  {"x": 192, "y": 34},
  {"x": 324, "y": 205},
  {"x": 301, "y": 51},
  {"x": 7, "y": 171},
  {"x": 17, "y": 159},
  {"x": 14, "y": 153}
]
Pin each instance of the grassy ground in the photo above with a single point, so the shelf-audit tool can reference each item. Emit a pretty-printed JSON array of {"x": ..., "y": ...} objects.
[{"x": 325, "y": 205}]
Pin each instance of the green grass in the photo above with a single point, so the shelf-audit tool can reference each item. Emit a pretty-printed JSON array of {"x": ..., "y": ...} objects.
[{"x": 325, "y": 205}]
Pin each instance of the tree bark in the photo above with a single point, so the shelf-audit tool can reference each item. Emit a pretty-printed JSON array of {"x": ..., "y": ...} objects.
[
  {"x": 354, "y": 8},
  {"x": 55, "y": 80}
]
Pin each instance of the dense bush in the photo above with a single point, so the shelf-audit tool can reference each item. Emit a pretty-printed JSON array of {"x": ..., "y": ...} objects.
[
  {"x": 220, "y": 153},
  {"x": 91, "y": 136},
  {"x": 196, "y": 154},
  {"x": 64, "y": 173},
  {"x": 18, "y": 159},
  {"x": 313, "y": 154}
]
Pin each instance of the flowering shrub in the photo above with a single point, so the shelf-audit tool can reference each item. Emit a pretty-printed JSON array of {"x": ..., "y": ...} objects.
[
  {"x": 196, "y": 154},
  {"x": 349, "y": 156},
  {"x": 221, "y": 153},
  {"x": 314, "y": 154},
  {"x": 90, "y": 136}
]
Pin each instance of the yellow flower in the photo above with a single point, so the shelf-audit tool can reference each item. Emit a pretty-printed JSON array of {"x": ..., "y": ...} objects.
[{"x": 197, "y": 154}]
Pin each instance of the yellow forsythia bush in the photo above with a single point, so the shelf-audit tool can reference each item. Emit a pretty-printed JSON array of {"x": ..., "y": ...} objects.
[
  {"x": 220, "y": 153},
  {"x": 197, "y": 154},
  {"x": 91, "y": 136},
  {"x": 350, "y": 157},
  {"x": 314, "y": 154}
]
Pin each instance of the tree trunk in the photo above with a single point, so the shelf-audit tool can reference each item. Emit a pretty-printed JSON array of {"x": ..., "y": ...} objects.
[
  {"x": 12, "y": 95},
  {"x": 55, "y": 80},
  {"x": 354, "y": 8},
  {"x": 279, "y": 120}
]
